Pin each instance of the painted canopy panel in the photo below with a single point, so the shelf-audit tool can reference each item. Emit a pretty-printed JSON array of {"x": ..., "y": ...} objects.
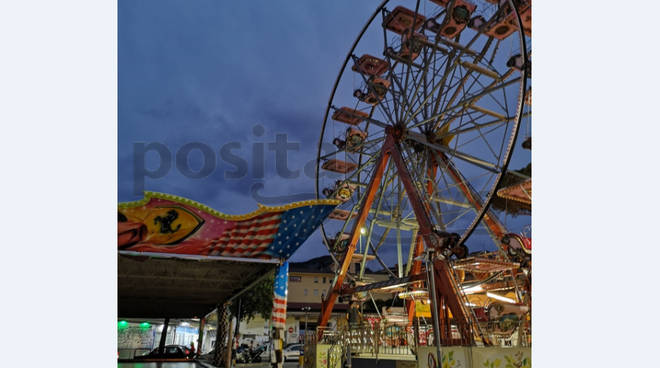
[
  {"x": 165, "y": 223},
  {"x": 520, "y": 192}
]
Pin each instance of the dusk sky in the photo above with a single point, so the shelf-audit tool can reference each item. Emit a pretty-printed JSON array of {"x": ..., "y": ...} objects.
[{"x": 234, "y": 75}]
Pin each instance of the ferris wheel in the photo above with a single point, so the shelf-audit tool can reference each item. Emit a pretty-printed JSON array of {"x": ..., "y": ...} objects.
[{"x": 420, "y": 128}]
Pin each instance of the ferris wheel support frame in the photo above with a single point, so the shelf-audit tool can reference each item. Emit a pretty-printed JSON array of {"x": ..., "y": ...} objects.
[
  {"x": 450, "y": 295},
  {"x": 446, "y": 284}
]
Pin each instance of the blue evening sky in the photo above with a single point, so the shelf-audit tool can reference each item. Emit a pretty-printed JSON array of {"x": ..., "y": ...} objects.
[{"x": 229, "y": 74}]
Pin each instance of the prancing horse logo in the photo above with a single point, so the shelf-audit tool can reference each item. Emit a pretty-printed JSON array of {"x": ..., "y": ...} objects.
[
  {"x": 166, "y": 225},
  {"x": 166, "y": 222}
]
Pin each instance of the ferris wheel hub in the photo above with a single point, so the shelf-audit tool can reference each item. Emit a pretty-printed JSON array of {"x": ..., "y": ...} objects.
[{"x": 397, "y": 131}]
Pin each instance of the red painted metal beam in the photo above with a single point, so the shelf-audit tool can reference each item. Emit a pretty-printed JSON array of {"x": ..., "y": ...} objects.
[
  {"x": 419, "y": 245},
  {"x": 489, "y": 219},
  {"x": 372, "y": 189},
  {"x": 445, "y": 283}
]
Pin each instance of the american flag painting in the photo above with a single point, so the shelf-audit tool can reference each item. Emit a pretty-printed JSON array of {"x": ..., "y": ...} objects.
[
  {"x": 164, "y": 223},
  {"x": 279, "y": 296}
]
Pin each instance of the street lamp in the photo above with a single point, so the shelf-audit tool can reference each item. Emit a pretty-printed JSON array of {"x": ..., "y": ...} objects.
[{"x": 306, "y": 309}]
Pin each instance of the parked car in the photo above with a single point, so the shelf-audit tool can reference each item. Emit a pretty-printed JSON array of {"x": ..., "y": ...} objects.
[
  {"x": 169, "y": 352},
  {"x": 292, "y": 352}
]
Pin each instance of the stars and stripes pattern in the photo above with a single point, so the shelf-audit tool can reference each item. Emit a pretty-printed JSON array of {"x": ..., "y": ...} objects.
[
  {"x": 247, "y": 238},
  {"x": 165, "y": 223},
  {"x": 275, "y": 234},
  {"x": 279, "y": 296}
]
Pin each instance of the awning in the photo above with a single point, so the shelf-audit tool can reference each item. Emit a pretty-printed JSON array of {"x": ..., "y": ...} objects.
[{"x": 152, "y": 285}]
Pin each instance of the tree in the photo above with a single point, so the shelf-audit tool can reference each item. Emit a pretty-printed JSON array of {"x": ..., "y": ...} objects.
[{"x": 257, "y": 300}]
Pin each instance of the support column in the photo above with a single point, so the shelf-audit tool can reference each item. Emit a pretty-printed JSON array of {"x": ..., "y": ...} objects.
[
  {"x": 230, "y": 345},
  {"x": 200, "y": 336},
  {"x": 221, "y": 343},
  {"x": 163, "y": 336}
]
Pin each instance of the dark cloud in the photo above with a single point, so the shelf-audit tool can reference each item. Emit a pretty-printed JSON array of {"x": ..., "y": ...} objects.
[{"x": 210, "y": 72}]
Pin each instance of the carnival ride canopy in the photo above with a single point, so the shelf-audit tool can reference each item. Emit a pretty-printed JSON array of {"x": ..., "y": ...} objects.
[{"x": 179, "y": 258}]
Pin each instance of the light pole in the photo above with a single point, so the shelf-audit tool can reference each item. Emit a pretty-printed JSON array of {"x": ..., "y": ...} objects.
[{"x": 306, "y": 309}]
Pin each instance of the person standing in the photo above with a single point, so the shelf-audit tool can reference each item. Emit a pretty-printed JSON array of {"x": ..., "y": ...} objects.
[{"x": 192, "y": 350}]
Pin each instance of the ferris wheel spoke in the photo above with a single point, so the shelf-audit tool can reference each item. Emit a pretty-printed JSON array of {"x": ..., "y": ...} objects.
[
  {"x": 495, "y": 49},
  {"x": 371, "y": 144},
  {"x": 461, "y": 155},
  {"x": 461, "y": 214},
  {"x": 390, "y": 71},
  {"x": 463, "y": 144},
  {"x": 401, "y": 92},
  {"x": 495, "y": 156},
  {"x": 442, "y": 95},
  {"x": 415, "y": 93},
  {"x": 427, "y": 63},
  {"x": 475, "y": 126},
  {"x": 410, "y": 36},
  {"x": 458, "y": 90},
  {"x": 467, "y": 101},
  {"x": 437, "y": 89},
  {"x": 385, "y": 109},
  {"x": 459, "y": 61},
  {"x": 457, "y": 46},
  {"x": 491, "y": 96}
]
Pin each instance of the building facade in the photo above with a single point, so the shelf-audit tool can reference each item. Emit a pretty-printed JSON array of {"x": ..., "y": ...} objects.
[{"x": 309, "y": 282}]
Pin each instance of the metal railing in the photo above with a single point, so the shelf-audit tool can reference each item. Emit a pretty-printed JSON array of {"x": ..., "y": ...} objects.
[{"x": 379, "y": 339}]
